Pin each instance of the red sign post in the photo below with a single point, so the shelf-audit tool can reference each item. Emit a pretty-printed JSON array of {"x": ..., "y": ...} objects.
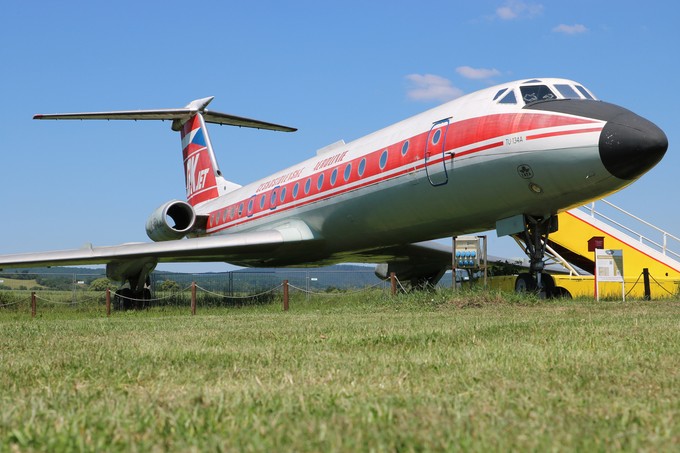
[{"x": 594, "y": 243}]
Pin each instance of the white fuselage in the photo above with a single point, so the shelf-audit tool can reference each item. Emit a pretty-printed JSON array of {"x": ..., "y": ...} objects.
[{"x": 455, "y": 169}]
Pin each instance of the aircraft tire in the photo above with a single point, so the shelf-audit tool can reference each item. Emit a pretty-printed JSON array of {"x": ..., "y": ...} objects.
[
  {"x": 525, "y": 283},
  {"x": 548, "y": 290},
  {"x": 146, "y": 296},
  {"x": 122, "y": 299},
  {"x": 561, "y": 293}
]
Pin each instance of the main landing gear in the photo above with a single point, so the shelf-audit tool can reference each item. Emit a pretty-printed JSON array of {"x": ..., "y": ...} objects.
[
  {"x": 135, "y": 296},
  {"x": 129, "y": 299},
  {"x": 534, "y": 240}
]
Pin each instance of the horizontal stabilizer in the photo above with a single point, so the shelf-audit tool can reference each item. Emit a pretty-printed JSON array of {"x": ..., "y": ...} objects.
[{"x": 179, "y": 116}]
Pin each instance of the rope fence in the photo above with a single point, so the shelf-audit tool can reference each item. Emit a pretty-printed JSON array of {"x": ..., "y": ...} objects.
[
  {"x": 331, "y": 294},
  {"x": 229, "y": 289},
  {"x": 646, "y": 276},
  {"x": 250, "y": 296},
  {"x": 660, "y": 285},
  {"x": 13, "y": 303},
  {"x": 219, "y": 290}
]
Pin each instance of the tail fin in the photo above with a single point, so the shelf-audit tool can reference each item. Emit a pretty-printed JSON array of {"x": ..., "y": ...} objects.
[{"x": 204, "y": 180}]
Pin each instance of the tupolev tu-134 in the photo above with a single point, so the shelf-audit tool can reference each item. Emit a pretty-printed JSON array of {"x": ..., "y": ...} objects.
[{"x": 508, "y": 158}]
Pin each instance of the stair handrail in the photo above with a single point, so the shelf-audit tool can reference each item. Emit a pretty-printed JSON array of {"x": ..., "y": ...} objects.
[{"x": 666, "y": 235}]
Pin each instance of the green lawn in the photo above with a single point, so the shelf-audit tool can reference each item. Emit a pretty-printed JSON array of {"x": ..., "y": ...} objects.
[
  {"x": 14, "y": 283},
  {"x": 415, "y": 373}
]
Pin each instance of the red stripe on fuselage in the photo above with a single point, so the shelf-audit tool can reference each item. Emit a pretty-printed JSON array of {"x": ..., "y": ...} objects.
[
  {"x": 475, "y": 130},
  {"x": 479, "y": 148},
  {"x": 558, "y": 133},
  {"x": 460, "y": 134}
]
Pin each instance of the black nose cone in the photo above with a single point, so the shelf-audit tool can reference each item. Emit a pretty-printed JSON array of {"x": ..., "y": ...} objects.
[{"x": 630, "y": 145}]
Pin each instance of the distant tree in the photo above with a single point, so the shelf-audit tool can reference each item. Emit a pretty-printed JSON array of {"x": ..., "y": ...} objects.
[
  {"x": 170, "y": 285},
  {"x": 58, "y": 282},
  {"x": 100, "y": 284},
  {"x": 23, "y": 275},
  {"x": 505, "y": 268}
]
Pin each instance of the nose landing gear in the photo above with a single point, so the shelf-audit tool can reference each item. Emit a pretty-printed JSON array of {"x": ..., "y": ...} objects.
[{"x": 534, "y": 239}]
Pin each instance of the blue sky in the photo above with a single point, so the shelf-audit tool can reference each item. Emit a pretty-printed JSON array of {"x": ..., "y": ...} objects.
[{"x": 335, "y": 70}]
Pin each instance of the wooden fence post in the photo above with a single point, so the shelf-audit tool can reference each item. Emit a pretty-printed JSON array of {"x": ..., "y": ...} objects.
[
  {"x": 193, "y": 298},
  {"x": 33, "y": 305},
  {"x": 108, "y": 302},
  {"x": 393, "y": 283},
  {"x": 285, "y": 295},
  {"x": 645, "y": 281}
]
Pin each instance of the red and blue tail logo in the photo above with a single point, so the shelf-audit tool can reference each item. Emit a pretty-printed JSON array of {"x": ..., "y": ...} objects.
[{"x": 198, "y": 162}]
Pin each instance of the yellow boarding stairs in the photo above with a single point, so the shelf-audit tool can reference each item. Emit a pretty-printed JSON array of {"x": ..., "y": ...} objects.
[{"x": 569, "y": 247}]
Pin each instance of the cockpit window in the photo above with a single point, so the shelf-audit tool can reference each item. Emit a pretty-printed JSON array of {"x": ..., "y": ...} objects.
[
  {"x": 499, "y": 93},
  {"x": 584, "y": 92},
  {"x": 534, "y": 93},
  {"x": 567, "y": 91},
  {"x": 509, "y": 98}
]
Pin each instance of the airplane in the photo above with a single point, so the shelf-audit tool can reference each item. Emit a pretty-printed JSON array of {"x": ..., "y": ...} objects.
[{"x": 510, "y": 157}]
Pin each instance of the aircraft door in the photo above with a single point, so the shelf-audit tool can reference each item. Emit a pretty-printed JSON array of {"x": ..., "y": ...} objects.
[{"x": 435, "y": 159}]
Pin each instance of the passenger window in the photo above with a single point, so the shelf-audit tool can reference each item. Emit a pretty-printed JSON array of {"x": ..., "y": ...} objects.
[
  {"x": 404, "y": 148},
  {"x": 362, "y": 167},
  {"x": 383, "y": 159},
  {"x": 567, "y": 91},
  {"x": 509, "y": 98},
  {"x": 437, "y": 135},
  {"x": 535, "y": 93},
  {"x": 348, "y": 171}
]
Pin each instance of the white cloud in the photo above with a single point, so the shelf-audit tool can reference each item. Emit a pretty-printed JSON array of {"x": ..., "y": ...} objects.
[
  {"x": 477, "y": 73},
  {"x": 506, "y": 13},
  {"x": 570, "y": 29},
  {"x": 513, "y": 9},
  {"x": 430, "y": 87}
]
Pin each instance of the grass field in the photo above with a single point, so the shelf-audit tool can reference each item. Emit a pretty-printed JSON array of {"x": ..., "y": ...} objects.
[
  {"x": 14, "y": 283},
  {"x": 427, "y": 372}
]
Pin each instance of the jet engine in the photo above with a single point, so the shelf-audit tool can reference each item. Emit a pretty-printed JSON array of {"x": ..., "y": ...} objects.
[{"x": 171, "y": 221}]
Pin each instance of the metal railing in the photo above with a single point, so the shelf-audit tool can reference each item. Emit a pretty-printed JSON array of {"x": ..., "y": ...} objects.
[{"x": 666, "y": 237}]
